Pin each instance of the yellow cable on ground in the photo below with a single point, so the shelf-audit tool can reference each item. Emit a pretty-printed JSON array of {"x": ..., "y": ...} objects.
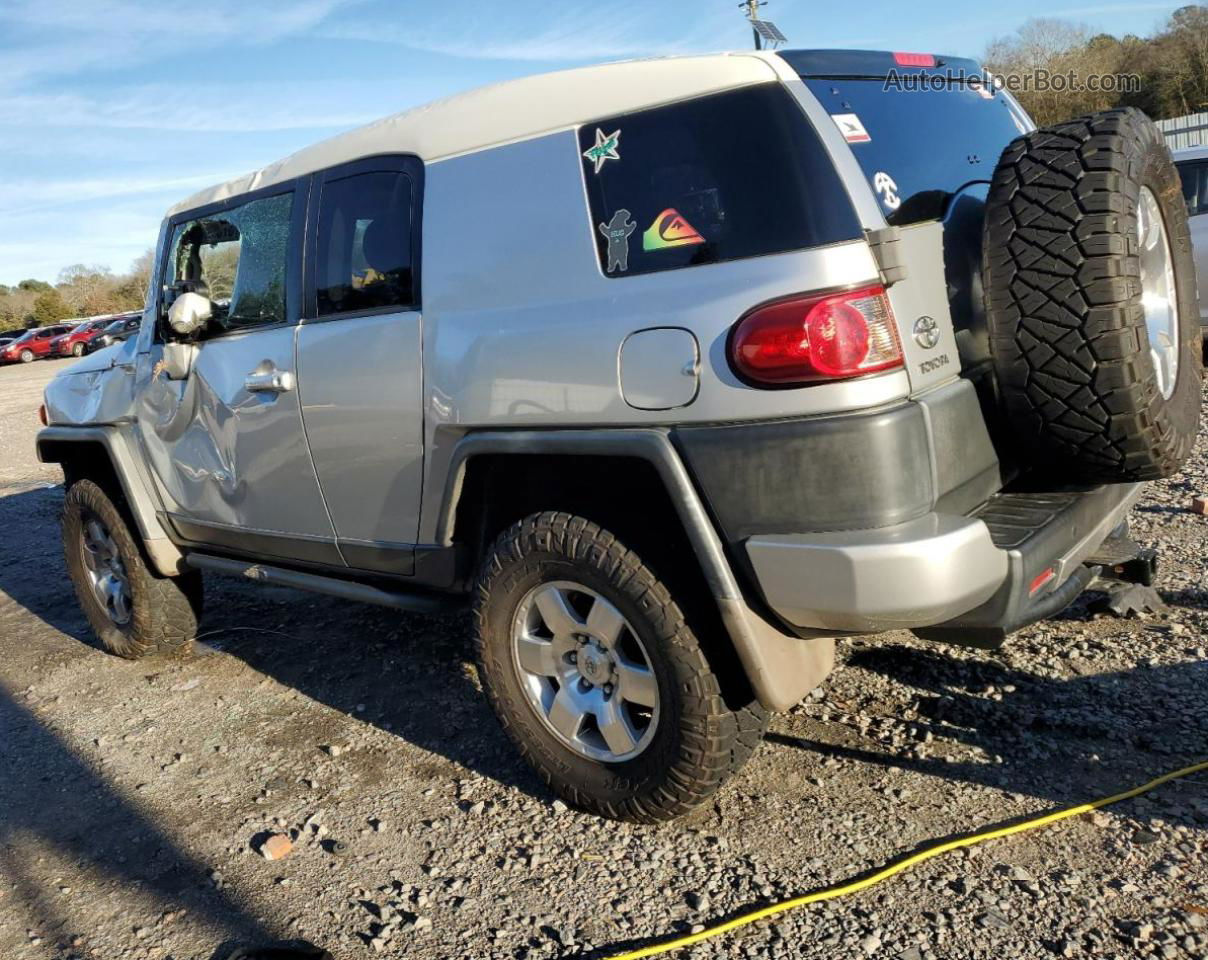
[{"x": 928, "y": 853}]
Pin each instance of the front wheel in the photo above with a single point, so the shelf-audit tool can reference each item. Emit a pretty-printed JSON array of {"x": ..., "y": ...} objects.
[
  {"x": 77, "y": 349},
  {"x": 135, "y": 612},
  {"x": 596, "y": 676},
  {"x": 27, "y": 356}
]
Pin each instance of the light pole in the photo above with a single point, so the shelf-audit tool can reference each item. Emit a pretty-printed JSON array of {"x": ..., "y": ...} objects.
[{"x": 752, "y": 9}]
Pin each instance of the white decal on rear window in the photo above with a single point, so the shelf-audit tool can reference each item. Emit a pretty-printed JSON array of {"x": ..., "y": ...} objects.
[
  {"x": 850, "y": 126},
  {"x": 884, "y": 185}
]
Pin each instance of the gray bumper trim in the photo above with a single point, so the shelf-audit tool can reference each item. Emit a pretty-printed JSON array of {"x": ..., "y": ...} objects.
[{"x": 921, "y": 572}]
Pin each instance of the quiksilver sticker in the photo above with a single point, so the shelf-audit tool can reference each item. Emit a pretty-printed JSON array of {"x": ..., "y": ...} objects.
[{"x": 670, "y": 229}]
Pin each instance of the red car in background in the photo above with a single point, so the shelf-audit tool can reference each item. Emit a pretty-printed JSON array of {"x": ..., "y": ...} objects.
[
  {"x": 32, "y": 344},
  {"x": 74, "y": 342}
]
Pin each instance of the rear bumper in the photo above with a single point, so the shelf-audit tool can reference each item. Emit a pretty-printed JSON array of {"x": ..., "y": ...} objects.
[
  {"x": 923, "y": 571},
  {"x": 969, "y": 579}
]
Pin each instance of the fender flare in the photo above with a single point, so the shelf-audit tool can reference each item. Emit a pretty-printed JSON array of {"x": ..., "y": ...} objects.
[
  {"x": 55, "y": 445},
  {"x": 780, "y": 668}
]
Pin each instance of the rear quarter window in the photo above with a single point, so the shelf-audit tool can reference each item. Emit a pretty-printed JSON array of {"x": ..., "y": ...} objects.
[{"x": 724, "y": 177}]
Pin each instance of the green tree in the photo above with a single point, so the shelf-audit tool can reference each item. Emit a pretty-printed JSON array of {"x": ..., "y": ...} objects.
[
  {"x": 50, "y": 307},
  {"x": 34, "y": 286}
]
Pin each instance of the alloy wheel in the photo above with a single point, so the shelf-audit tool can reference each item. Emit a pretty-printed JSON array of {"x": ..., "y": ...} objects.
[
  {"x": 585, "y": 672},
  {"x": 105, "y": 571},
  {"x": 1158, "y": 297}
]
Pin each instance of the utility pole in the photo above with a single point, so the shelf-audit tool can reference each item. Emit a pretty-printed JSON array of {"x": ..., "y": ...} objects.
[{"x": 752, "y": 8}]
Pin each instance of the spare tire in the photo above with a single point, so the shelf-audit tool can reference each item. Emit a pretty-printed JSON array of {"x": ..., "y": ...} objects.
[{"x": 1091, "y": 299}]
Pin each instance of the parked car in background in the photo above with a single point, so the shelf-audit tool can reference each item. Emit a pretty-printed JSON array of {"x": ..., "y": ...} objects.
[
  {"x": 1192, "y": 164},
  {"x": 113, "y": 332},
  {"x": 74, "y": 343},
  {"x": 32, "y": 344}
]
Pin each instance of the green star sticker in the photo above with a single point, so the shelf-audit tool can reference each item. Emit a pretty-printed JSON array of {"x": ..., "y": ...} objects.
[{"x": 605, "y": 148}]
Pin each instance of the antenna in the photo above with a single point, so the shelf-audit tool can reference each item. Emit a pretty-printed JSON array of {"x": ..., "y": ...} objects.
[{"x": 764, "y": 31}]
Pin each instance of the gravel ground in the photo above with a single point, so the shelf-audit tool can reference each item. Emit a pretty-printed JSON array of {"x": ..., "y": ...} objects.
[{"x": 134, "y": 798}]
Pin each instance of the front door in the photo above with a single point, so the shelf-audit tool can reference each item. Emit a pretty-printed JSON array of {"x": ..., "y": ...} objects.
[{"x": 224, "y": 437}]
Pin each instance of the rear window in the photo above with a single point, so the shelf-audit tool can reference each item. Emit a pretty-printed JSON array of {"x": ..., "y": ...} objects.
[
  {"x": 734, "y": 175},
  {"x": 919, "y": 146}
]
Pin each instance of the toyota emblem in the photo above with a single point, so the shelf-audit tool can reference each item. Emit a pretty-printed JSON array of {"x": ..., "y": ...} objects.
[{"x": 926, "y": 332}]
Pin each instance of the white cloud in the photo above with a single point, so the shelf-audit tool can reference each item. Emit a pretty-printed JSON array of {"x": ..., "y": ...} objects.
[
  {"x": 99, "y": 34},
  {"x": 541, "y": 33},
  {"x": 255, "y": 107},
  {"x": 40, "y": 245},
  {"x": 22, "y": 197}
]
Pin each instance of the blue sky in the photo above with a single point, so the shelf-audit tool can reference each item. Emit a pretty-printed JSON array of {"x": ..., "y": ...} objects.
[{"x": 110, "y": 110}]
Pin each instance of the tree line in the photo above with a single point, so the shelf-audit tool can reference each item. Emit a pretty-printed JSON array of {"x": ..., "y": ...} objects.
[
  {"x": 81, "y": 291},
  {"x": 1171, "y": 66}
]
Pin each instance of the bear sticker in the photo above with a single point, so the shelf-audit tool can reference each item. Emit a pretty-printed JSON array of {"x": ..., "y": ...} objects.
[{"x": 617, "y": 232}]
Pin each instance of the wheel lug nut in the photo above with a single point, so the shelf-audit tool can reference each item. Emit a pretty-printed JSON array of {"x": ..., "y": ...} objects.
[
  {"x": 572, "y": 657},
  {"x": 608, "y": 689}
]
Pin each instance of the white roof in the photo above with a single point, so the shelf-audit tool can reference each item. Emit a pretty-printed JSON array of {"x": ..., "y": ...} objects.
[{"x": 512, "y": 111}]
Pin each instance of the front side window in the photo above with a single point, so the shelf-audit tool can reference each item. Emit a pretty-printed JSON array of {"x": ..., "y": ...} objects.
[
  {"x": 364, "y": 243},
  {"x": 236, "y": 258},
  {"x": 733, "y": 175}
]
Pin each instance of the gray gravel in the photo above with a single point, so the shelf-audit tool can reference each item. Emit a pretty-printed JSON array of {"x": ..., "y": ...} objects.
[{"x": 135, "y": 799}]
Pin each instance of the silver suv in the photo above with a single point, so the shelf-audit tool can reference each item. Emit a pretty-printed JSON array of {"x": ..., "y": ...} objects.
[{"x": 676, "y": 370}]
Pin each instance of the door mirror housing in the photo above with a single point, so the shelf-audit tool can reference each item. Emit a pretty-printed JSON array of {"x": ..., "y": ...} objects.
[
  {"x": 189, "y": 314},
  {"x": 178, "y": 360}
]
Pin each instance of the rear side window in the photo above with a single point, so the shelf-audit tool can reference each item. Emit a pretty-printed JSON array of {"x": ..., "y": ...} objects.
[
  {"x": 364, "y": 250},
  {"x": 734, "y": 175}
]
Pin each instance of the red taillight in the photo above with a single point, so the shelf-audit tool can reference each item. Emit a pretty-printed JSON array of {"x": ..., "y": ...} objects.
[
  {"x": 827, "y": 337},
  {"x": 42, "y": 415},
  {"x": 914, "y": 59}
]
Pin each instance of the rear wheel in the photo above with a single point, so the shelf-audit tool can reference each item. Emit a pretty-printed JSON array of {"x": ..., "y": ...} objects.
[
  {"x": 1091, "y": 299},
  {"x": 134, "y": 612},
  {"x": 598, "y": 679}
]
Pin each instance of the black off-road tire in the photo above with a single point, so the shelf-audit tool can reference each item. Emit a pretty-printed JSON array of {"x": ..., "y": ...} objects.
[
  {"x": 700, "y": 741},
  {"x": 1061, "y": 270},
  {"x": 164, "y": 610}
]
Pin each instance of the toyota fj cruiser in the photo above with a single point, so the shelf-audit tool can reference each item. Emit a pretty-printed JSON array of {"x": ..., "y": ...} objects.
[{"x": 678, "y": 369}]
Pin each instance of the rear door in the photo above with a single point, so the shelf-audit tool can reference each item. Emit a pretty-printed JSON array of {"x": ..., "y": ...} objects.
[
  {"x": 225, "y": 442},
  {"x": 927, "y": 132},
  {"x": 359, "y": 357}
]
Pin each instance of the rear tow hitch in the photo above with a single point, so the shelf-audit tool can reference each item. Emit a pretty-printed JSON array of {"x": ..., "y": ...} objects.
[{"x": 1124, "y": 574}]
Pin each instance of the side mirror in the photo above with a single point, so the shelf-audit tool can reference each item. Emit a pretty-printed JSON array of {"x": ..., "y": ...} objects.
[
  {"x": 189, "y": 313},
  {"x": 178, "y": 360}
]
